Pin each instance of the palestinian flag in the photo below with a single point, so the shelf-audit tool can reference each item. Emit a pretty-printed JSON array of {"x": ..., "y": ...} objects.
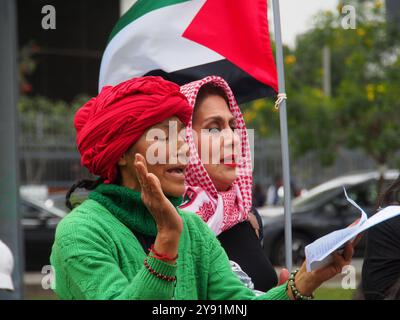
[{"x": 186, "y": 40}]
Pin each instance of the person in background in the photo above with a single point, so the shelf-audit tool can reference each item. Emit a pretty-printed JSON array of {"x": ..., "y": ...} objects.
[
  {"x": 275, "y": 191},
  {"x": 6, "y": 267},
  {"x": 272, "y": 191},
  {"x": 381, "y": 267},
  {"x": 259, "y": 196}
]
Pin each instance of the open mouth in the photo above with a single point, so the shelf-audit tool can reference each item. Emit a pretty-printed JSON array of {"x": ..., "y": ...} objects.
[{"x": 177, "y": 171}]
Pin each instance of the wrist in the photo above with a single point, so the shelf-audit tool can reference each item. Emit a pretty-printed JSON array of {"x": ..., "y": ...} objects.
[
  {"x": 306, "y": 281},
  {"x": 161, "y": 256},
  {"x": 167, "y": 244},
  {"x": 299, "y": 288}
]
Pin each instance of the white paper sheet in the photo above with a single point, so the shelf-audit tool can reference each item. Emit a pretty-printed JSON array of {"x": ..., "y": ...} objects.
[{"x": 319, "y": 252}]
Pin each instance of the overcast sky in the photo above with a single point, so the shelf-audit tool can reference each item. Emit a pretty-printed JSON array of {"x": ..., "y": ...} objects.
[{"x": 296, "y": 16}]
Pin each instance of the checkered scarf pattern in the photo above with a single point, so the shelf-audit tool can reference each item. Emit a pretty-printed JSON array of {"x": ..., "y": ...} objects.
[{"x": 238, "y": 199}]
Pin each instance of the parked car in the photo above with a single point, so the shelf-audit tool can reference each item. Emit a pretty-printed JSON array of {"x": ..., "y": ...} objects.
[
  {"x": 39, "y": 219},
  {"x": 320, "y": 211}
]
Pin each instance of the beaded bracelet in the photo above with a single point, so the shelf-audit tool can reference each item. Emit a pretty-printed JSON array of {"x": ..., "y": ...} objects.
[
  {"x": 158, "y": 275},
  {"x": 297, "y": 295},
  {"x": 160, "y": 256}
]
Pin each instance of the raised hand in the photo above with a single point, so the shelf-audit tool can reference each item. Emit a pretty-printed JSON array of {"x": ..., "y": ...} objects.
[
  {"x": 169, "y": 223},
  {"x": 308, "y": 282}
]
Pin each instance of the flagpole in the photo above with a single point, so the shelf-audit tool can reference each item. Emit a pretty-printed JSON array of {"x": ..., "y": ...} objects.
[{"x": 284, "y": 135}]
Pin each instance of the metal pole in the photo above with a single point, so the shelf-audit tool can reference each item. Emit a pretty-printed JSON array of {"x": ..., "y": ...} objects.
[
  {"x": 10, "y": 232},
  {"x": 284, "y": 136},
  {"x": 326, "y": 62}
]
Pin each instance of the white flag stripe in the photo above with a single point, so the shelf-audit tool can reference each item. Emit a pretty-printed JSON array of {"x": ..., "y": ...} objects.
[{"x": 145, "y": 45}]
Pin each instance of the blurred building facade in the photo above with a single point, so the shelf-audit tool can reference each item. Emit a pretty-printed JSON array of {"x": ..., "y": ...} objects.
[{"x": 67, "y": 63}]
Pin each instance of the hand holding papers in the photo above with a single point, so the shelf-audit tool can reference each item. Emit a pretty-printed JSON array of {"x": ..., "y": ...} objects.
[{"x": 319, "y": 252}]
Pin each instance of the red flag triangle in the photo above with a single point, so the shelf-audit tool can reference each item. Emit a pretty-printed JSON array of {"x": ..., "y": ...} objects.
[{"x": 237, "y": 30}]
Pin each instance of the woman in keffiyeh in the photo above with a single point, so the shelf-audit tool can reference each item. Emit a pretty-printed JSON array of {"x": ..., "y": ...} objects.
[
  {"x": 129, "y": 239},
  {"x": 219, "y": 177}
]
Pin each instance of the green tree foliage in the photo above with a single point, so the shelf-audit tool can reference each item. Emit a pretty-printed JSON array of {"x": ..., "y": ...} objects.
[{"x": 364, "y": 110}]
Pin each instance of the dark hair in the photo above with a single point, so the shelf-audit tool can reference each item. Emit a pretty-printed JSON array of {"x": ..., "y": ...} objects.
[
  {"x": 391, "y": 195},
  {"x": 81, "y": 184},
  {"x": 393, "y": 293},
  {"x": 90, "y": 185},
  {"x": 210, "y": 89}
]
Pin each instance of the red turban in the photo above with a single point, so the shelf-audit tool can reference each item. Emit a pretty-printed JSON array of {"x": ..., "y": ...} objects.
[{"x": 107, "y": 125}]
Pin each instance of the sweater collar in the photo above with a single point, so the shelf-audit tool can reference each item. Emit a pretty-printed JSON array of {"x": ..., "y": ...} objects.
[{"x": 127, "y": 206}]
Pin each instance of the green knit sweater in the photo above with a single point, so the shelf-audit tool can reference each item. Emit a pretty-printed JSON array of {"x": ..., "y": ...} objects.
[{"x": 96, "y": 255}]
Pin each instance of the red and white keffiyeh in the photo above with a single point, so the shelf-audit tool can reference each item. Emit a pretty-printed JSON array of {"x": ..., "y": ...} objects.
[{"x": 220, "y": 210}]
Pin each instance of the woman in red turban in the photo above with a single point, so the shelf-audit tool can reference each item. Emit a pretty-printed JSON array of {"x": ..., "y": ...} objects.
[
  {"x": 129, "y": 239},
  {"x": 110, "y": 123}
]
